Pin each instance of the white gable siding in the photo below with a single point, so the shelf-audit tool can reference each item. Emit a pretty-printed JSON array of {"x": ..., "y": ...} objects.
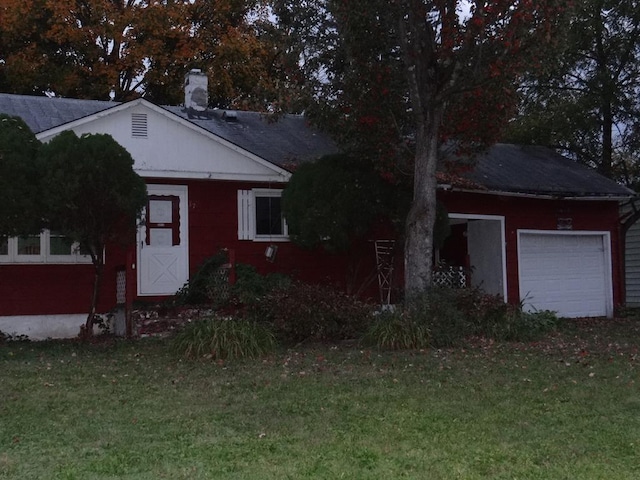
[{"x": 173, "y": 149}]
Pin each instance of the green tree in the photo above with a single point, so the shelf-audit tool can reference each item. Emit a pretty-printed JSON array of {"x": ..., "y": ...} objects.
[
  {"x": 335, "y": 200},
  {"x": 586, "y": 103},
  {"x": 93, "y": 196},
  {"x": 20, "y": 179},
  {"x": 406, "y": 77}
]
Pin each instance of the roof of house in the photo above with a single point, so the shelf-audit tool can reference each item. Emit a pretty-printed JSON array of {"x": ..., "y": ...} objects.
[
  {"x": 285, "y": 141},
  {"x": 290, "y": 140},
  {"x": 537, "y": 170}
]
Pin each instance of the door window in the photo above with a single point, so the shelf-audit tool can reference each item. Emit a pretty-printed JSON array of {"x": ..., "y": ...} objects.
[{"x": 163, "y": 221}]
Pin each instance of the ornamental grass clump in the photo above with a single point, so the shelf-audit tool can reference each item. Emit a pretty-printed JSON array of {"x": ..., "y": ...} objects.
[
  {"x": 224, "y": 338},
  {"x": 396, "y": 330}
]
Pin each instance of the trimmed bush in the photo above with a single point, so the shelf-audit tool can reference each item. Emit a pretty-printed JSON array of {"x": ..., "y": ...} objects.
[
  {"x": 250, "y": 286},
  {"x": 397, "y": 331},
  {"x": 224, "y": 338},
  {"x": 302, "y": 312}
]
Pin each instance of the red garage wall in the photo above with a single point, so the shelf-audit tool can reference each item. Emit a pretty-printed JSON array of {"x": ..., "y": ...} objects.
[{"x": 542, "y": 214}]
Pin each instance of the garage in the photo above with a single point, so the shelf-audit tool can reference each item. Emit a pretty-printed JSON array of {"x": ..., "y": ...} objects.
[{"x": 567, "y": 272}]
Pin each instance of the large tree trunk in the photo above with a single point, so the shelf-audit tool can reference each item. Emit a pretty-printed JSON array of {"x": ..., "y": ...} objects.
[{"x": 418, "y": 256}]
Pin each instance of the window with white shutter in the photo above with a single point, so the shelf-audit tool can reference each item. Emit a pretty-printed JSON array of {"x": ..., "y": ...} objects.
[{"x": 260, "y": 216}]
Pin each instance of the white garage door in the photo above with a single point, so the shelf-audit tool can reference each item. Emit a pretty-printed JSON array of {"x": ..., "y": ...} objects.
[{"x": 567, "y": 273}]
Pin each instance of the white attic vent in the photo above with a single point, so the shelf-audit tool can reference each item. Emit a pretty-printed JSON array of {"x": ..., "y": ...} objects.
[{"x": 139, "y": 127}]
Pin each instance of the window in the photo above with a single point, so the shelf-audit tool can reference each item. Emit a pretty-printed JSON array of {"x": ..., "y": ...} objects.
[
  {"x": 163, "y": 220},
  {"x": 260, "y": 215},
  {"x": 48, "y": 247}
]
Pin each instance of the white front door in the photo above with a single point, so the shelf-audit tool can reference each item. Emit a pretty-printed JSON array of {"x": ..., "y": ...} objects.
[{"x": 163, "y": 265}]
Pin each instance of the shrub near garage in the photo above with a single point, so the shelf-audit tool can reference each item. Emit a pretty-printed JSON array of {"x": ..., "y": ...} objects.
[
  {"x": 491, "y": 317},
  {"x": 444, "y": 317}
]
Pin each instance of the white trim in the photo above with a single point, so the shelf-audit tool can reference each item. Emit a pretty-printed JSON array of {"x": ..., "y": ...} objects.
[
  {"x": 180, "y": 175},
  {"x": 544, "y": 196},
  {"x": 606, "y": 243},
  {"x": 503, "y": 241}
]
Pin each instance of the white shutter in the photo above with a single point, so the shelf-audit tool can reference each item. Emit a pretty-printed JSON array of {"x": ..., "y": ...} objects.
[{"x": 246, "y": 215}]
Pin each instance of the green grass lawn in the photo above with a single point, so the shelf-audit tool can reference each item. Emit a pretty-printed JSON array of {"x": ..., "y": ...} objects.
[{"x": 564, "y": 408}]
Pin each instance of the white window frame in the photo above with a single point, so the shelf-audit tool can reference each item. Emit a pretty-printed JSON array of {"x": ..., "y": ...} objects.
[
  {"x": 45, "y": 256},
  {"x": 247, "y": 215}
]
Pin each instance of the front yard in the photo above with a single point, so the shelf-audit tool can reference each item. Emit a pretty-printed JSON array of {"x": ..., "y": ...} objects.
[{"x": 563, "y": 408}]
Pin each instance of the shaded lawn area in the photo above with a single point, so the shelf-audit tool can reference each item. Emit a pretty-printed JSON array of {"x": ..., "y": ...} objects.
[{"x": 563, "y": 408}]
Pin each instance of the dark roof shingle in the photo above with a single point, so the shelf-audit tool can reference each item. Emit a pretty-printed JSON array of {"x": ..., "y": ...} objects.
[{"x": 539, "y": 170}]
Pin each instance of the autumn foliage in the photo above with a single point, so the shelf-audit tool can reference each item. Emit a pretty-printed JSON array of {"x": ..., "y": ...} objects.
[{"x": 86, "y": 49}]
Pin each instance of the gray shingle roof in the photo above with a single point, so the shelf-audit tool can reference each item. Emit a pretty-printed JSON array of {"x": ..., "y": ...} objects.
[
  {"x": 285, "y": 142},
  {"x": 44, "y": 113},
  {"x": 291, "y": 140},
  {"x": 539, "y": 170}
]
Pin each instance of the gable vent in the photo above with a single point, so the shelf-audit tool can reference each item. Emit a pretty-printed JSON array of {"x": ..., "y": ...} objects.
[{"x": 139, "y": 125}]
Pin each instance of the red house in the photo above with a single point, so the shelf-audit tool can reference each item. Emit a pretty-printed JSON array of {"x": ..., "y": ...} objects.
[{"x": 528, "y": 224}]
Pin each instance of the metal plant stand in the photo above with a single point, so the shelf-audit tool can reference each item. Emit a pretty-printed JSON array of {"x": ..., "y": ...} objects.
[{"x": 384, "y": 265}]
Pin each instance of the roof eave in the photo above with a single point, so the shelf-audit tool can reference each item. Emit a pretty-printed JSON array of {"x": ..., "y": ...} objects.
[{"x": 540, "y": 195}]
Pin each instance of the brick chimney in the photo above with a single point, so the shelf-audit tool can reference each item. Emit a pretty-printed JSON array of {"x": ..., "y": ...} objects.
[{"x": 196, "y": 93}]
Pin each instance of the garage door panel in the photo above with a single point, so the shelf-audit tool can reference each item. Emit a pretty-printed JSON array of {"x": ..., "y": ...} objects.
[{"x": 567, "y": 273}]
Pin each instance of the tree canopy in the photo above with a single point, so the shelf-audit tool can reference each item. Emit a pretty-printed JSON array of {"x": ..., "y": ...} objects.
[
  {"x": 335, "y": 200},
  {"x": 134, "y": 48},
  {"x": 401, "y": 79},
  {"x": 586, "y": 102},
  {"x": 20, "y": 179},
  {"x": 93, "y": 194}
]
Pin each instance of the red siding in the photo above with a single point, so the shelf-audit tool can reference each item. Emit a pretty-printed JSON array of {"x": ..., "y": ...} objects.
[
  {"x": 213, "y": 226},
  {"x": 541, "y": 214},
  {"x": 58, "y": 289}
]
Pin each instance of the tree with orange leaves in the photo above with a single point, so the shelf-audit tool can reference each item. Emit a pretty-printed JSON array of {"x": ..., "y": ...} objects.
[{"x": 86, "y": 49}]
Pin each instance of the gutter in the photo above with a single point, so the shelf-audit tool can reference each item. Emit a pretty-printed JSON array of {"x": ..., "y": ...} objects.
[{"x": 559, "y": 196}]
